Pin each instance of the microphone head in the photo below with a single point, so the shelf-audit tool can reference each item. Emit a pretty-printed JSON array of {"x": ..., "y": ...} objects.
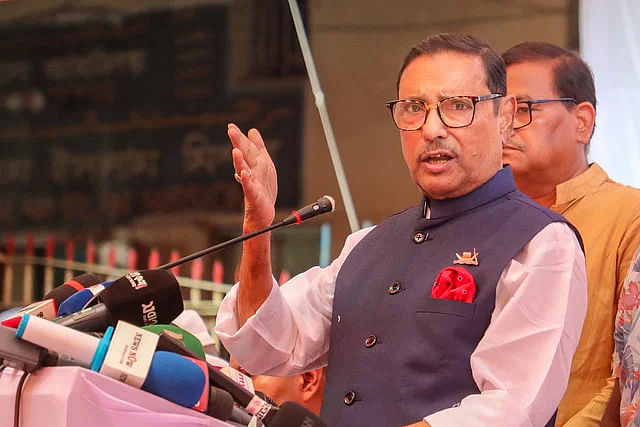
[
  {"x": 292, "y": 414},
  {"x": 175, "y": 378},
  {"x": 190, "y": 341},
  {"x": 77, "y": 301},
  {"x": 327, "y": 201},
  {"x": 72, "y": 286},
  {"x": 220, "y": 404},
  {"x": 143, "y": 298}
]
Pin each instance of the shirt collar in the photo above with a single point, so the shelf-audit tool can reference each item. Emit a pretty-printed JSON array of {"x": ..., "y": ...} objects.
[
  {"x": 498, "y": 185},
  {"x": 580, "y": 185}
]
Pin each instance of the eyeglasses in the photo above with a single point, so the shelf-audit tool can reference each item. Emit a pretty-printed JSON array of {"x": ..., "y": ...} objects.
[
  {"x": 523, "y": 114},
  {"x": 455, "y": 111}
]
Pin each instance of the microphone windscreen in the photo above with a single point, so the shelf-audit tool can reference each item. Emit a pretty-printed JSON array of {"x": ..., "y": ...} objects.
[
  {"x": 220, "y": 404},
  {"x": 143, "y": 298},
  {"x": 72, "y": 286},
  {"x": 292, "y": 414},
  {"x": 187, "y": 338},
  {"x": 175, "y": 378}
]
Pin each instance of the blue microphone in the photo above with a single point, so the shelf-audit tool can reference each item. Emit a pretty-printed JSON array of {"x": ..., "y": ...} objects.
[
  {"x": 175, "y": 378},
  {"x": 77, "y": 301}
]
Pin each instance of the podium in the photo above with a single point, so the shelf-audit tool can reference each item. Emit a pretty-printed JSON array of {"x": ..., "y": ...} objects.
[{"x": 76, "y": 397}]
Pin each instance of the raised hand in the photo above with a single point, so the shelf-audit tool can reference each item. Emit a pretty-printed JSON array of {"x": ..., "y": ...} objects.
[{"x": 256, "y": 174}]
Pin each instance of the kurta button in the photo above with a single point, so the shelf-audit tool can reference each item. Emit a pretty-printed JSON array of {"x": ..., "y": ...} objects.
[
  {"x": 394, "y": 288},
  {"x": 349, "y": 398},
  {"x": 370, "y": 341},
  {"x": 418, "y": 237}
]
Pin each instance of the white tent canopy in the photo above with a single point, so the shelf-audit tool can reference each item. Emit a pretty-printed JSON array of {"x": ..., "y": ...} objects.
[{"x": 610, "y": 43}]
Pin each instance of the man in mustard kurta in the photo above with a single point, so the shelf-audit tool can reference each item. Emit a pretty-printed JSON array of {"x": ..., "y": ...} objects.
[{"x": 553, "y": 125}]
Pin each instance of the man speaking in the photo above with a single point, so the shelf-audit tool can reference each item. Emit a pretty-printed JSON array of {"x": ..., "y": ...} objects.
[{"x": 463, "y": 310}]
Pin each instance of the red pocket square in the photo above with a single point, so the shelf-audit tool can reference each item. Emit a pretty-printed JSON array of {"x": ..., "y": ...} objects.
[{"x": 455, "y": 283}]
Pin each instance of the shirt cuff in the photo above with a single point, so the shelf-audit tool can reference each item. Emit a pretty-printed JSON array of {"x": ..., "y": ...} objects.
[{"x": 266, "y": 339}]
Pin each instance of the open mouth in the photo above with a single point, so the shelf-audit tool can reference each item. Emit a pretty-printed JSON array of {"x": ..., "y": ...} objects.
[{"x": 437, "y": 158}]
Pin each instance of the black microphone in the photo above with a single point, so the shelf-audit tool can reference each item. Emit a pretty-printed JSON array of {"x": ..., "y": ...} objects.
[
  {"x": 220, "y": 404},
  {"x": 72, "y": 286},
  {"x": 292, "y": 414},
  {"x": 141, "y": 298},
  {"x": 322, "y": 205}
]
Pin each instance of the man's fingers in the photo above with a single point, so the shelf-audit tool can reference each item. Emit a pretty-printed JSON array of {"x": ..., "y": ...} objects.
[
  {"x": 252, "y": 149},
  {"x": 238, "y": 139},
  {"x": 239, "y": 164},
  {"x": 255, "y": 137}
]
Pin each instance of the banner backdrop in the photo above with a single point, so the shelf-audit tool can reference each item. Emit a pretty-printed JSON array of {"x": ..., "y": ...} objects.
[{"x": 104, "y": 122}]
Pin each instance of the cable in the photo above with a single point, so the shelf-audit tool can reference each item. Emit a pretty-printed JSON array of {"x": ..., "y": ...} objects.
[{"x": 16, "y": 410}]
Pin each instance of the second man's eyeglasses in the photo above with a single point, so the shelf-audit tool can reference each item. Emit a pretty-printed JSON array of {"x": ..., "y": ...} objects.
[{"x": 523, "y": 110}]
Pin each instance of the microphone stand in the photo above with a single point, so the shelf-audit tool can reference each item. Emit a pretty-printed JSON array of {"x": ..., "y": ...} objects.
[
  {"x": 221, "y": 246},
  {"x": 322, "y": 205}
]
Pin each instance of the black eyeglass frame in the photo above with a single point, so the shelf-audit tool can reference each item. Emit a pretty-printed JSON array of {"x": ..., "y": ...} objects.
[
  {"x": 539, "y": 101},
  {"x": 474, "y": 100}
]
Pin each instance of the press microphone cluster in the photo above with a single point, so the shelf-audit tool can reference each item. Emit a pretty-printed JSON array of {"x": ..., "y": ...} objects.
[{"x": 136, "y": 344}]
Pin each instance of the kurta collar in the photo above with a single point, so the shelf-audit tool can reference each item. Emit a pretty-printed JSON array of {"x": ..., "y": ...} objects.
[
  {"x": 579, "y": 186},
  {"x": 499, "y": 185}
]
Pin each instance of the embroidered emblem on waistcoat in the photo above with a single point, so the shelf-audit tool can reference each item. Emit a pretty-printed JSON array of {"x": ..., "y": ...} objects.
[{"x": 467, "y": 258}]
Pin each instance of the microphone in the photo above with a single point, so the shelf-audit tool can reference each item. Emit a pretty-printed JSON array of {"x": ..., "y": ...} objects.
[
  {"x": 322, "y": 205},
  {"x": 292, "y": 414},
  {"x": 77, "y": 301},
  {"x": 220, "y": 404},
  {"x": 187, "y": 338},
  {"x": 19, "y": 354},
  {"x": 72, "y": 286},
  {"x": 48, "y": 307},
  {"x": 140, "y": 298},
  {"x": 127, "y": 354},
  {"x": 243, "y": 380}
]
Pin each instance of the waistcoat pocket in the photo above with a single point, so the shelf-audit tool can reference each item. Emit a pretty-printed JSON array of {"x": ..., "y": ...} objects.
[{"x": 446, "y": 306}]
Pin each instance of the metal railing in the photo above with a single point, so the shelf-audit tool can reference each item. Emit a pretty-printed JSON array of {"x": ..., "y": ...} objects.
[{"x": 20, "y": 268}]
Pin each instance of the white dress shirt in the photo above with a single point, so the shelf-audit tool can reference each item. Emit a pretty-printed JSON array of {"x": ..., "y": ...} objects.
[{"x": 521, "y": 365}]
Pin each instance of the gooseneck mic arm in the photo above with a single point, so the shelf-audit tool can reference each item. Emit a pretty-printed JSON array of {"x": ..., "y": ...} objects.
[{"x": 322, "y": 205}]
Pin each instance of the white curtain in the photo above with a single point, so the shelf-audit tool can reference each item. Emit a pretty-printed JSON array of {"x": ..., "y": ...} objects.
[{"x": 610, "y": 44}]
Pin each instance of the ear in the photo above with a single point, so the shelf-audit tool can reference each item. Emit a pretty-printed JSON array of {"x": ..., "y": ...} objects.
[
  {"x": 312, "y": 383},
  {"x": 507, "y": 113},
  {"x": 585, "y": 116}
]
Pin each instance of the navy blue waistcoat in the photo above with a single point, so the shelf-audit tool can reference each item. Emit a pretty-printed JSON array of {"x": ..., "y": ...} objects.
[{"x": 397, "y": 354}]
